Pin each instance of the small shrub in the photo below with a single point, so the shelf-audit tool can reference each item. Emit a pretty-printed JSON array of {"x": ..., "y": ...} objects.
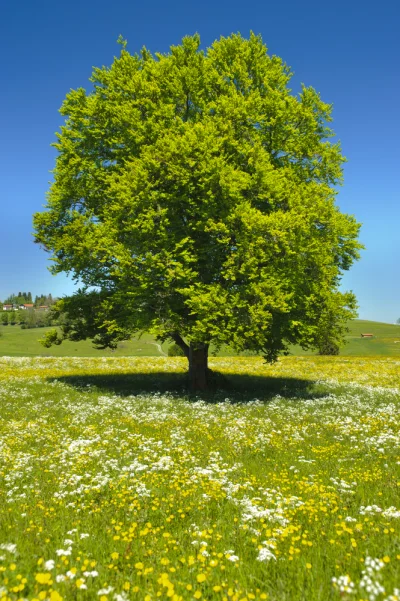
[
  {"x": 50, "y": 338},
  {"x": 329, "y": 348},
  {"x": 175, "y": 351}
]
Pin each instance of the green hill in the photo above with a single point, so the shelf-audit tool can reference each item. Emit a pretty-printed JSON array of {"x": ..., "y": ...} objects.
[
  {"x": 15, "y": 342},
  {"x": 384, "y": 342}
]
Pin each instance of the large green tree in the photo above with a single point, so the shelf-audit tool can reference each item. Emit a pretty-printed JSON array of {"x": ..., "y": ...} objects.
[{"x": 194, "y": 197}]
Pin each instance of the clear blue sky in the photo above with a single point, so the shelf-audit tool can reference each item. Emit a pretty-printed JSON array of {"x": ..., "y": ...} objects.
[{"x": 347, "y": 50}]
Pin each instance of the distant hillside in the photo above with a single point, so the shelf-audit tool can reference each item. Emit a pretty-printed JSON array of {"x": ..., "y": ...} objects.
[
  {"x": 385, "y": 340},
  {"x": 19, "y": 343}
]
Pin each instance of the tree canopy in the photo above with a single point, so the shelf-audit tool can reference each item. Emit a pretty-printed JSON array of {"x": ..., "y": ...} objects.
[
  {"x": 18, "y": 299},
  {"x": 194, "y": 197}
]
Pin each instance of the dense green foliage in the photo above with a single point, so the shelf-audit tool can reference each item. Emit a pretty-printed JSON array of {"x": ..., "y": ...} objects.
[{"x": 194, "y": 197}]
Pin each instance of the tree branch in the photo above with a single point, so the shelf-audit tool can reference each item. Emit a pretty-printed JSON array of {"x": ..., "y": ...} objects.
[{"x": 177, "y": 338}]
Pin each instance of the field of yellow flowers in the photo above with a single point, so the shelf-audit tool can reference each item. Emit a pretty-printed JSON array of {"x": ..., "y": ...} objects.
[{"x": 282, "y": 485}]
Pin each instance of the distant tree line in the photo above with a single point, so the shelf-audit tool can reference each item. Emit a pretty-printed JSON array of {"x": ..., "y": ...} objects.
[
  {"x": 25, "y": 298},
  {"x": 33, "y": 317},
  {"x": 27, "y": 319},
  {"x": 21, "y": 298}
]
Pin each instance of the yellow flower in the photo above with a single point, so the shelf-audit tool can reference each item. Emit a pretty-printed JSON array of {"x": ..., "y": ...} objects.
[
  {"x": 201, "y": 577},
  {"x": 54, "y": 596},
  {"x": 114, "y": 555},
  {"x": 216, "y": 588},
  {"x": 43, "y": 578},
  {"x": 197, "y": 595},
  {"x": 308, "y": 566},
  {"x": 189, "y": 587},
  {"x": 127, "y": 586},
  {"x": 139, "y": 565},
  {"x": 386, "y": 559}
]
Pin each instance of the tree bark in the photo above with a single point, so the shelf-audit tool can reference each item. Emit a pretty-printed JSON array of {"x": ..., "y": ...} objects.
[
  {"x": 197, "y": 355},
  {"x": 198, "y": 366}
]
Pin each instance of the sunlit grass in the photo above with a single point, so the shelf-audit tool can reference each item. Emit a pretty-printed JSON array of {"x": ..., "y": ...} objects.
[
  {"x": 284, "y": 485},
  {"x": 375, "y": 371}
]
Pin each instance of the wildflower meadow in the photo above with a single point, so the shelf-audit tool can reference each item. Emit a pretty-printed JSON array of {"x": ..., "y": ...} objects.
[{"x": 283, "y": 484}]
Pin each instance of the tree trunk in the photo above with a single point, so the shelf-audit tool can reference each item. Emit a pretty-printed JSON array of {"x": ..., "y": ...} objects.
[
  {"x": 197, "y": 355},
  {"x": 198, "y": 366}
]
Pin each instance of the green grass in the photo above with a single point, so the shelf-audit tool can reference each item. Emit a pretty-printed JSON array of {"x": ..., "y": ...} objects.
[
  {"x": 386, "y": 340},
  {"x": 15, "y": 342},
  {"x": 383, "y": 342},
  {"x": 114, "y": 492}
]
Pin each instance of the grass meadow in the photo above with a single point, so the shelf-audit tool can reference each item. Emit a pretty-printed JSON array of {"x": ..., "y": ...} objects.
[
  {"x": 116, "y": 485},
  {"x": 15, "y": 342}
]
